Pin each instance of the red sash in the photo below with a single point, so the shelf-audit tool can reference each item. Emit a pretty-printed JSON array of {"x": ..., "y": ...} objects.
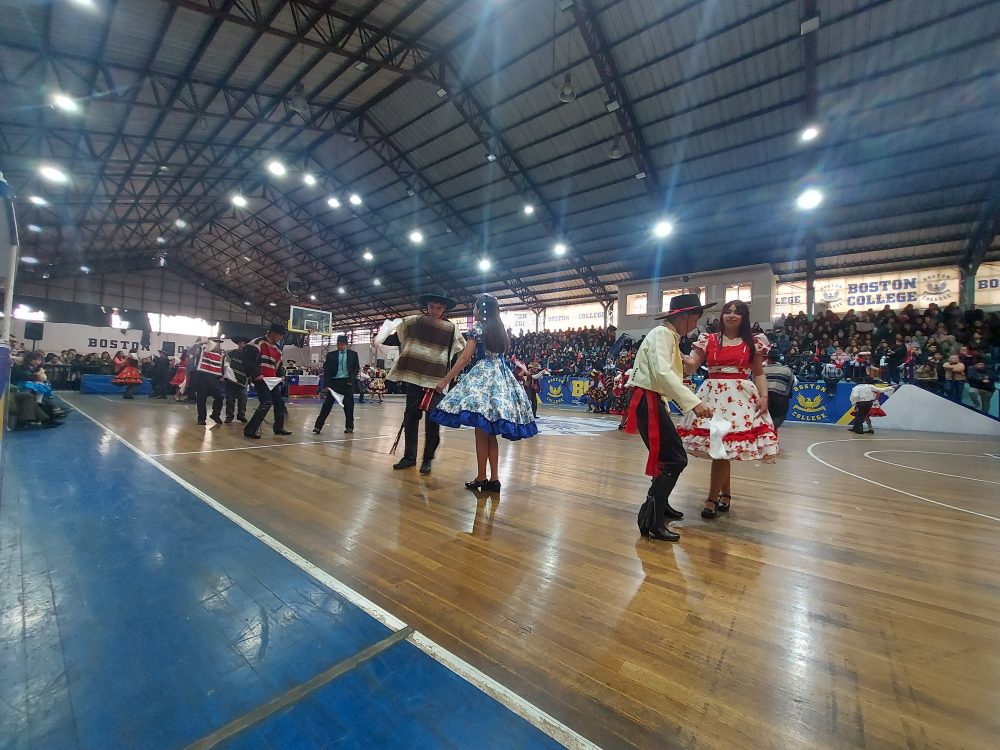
[{"x": 632, "y": 426}]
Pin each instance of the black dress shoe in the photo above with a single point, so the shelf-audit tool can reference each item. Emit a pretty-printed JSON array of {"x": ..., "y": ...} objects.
[
  {"x": 217, "y": 420},
  {"x": 282, "y": 432},
  {"x": 404, "y": 463},
  {"x": 663, "y": 534},
  {"x": 201, "y": 422},
  {"x": 425, "y": 466},
  {"x": 251, "y": 437},
  {"x": 349, "y": 430},
  {"x": 477, "y": 485},
  {"x": 241, "y": 419},
  {"x": 493, "y": 485},
  {"x": 673, "y": 513},
  {"x": 229, "y": 420},
  {"x": 316, "y": 430}
]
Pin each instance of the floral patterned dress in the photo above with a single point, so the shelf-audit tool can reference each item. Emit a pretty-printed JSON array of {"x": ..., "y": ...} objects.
[
  {"x": 488, "y": 397},
  {"x": 730, "y": 390}
]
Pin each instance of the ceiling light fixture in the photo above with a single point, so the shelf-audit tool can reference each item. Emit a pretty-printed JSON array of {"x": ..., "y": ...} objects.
[
  {"x": 30, "y": 260},
  {"x": 272, "y": 304},
  {"x": 484, "y": 264},
  {"x": 616, "y": 149},
  {"x": 34, "y": 228},
  {"x": 612, "y": 106},
  {"x": 239, "y": 201},
  {"x": 640, "y": 175},
  {"x": 442, "y": 93},
  {"x": 312, "y": 297},
  {"x": 809, "y": 199},
  {"x": 85, "y": 269},
  {"x": 528, "y": 209},
  {"x": 276, "y": 168},
  {"x": 362, "y": 66},
  {"x": 180, "y": 224},
  {"x": 566, "y": 93},
  {"x": 52, "y": 174},
  {"x": 416, "y": 237},
  {"x": 810, "y": 133},
  {"x": 37, "y": 201},
  {"x": 333, "y": 202},
  {"x": 309, "y": 179},
  {"x": 559, "y": 248},
  {"x": 246, "y": 302},
  {"x": 161, "y": 241},
  {"x": 65, "y": 103},
  {"x": 663, "y": 228},
  {"x": 368, "y": 255},
  {"x": 491, "y": 157},
  {"x": 340, "y": 290},
  {"x": 376, "y": 282},
  {"x": 355, "y": 199}
]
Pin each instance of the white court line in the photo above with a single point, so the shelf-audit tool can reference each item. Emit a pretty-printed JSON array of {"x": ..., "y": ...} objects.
[
  {"x": 812, "y": 453},
  {"x": 506, "y": 697},
  {"x": 261, "y": 447},
  {"x": 868, "y": 454}
]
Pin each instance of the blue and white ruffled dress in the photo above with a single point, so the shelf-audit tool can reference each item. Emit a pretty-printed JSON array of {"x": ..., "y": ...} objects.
[{"x": 488, "y": 397}]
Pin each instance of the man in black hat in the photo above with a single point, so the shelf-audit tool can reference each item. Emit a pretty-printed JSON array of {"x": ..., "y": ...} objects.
[
  {"x": 262, "y": 361},
  {"x": 236, "y": 381},
  {"x": 340, "y": 369},
  {"x": 206, "y": 362},
  {"x": 426, "y": 345},
  {"x": 658, "y": 377}
]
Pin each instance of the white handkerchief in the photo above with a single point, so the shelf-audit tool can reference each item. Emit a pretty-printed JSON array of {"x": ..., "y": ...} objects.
[
  {"x": 271, "y": 382},
  {"x": 387, "y": 329},
  {"x": 336, "y": 396},
  {"x": 718, "y": 428}
]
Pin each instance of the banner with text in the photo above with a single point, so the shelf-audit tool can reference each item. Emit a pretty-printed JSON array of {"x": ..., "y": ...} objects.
[
  {"x": 988, "y": 284},
  {"x": 896, "y": 289}
]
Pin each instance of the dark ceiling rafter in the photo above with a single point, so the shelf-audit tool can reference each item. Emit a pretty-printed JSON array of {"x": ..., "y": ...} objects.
[
  {"x": 986, "y": 229},
  {"x": 589, "y": 25}
]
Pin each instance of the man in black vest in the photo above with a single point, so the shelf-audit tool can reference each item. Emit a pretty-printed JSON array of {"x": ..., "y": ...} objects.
[{"x": 340, "y": 369}]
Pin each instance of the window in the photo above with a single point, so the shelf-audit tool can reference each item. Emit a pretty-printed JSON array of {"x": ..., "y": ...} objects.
[
  {"x": 740, "y": 291},
  {"x": 635, "y": 304},
  {"x": 319, "y": 340},
  {"x": 183, "y": 325},
  {"x": 668, "y": 293},
  {"x": 361, "y": 336}
]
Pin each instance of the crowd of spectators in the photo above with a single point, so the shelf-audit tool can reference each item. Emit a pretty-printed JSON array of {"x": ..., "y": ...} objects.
[{"x": 576, "y": 351}]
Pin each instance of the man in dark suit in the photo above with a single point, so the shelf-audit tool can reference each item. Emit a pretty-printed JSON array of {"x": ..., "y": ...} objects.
[{"x": 339, "y": 373}]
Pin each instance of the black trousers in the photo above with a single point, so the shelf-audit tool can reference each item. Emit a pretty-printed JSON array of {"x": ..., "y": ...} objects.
[
  {"x": 533, "y": 398},
  {"x": 267, "y": 399},
  {"x": 672, "y": 457},
  {"x": 345, "y": 388},
  {"x": 861, "y": 408},
  {"x": 411, "y": 423},
  {"x": 777, "y": 407},
  {"x": 161, "y": 383},
  {"x": 236, "y": 400},
  {"x": 206, "y": 384}
]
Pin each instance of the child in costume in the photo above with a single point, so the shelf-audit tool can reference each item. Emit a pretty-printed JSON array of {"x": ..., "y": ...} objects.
[
  {"x": 488, "y": 397},
  {"x": 129, "y": 376}
]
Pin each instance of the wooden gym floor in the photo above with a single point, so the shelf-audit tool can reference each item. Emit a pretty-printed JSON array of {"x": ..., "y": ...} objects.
[{"x": 850, "y": 599}]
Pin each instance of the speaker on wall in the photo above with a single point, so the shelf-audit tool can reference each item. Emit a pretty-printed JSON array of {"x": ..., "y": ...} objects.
[
  {"x": 168, "y": 347},
  {"x": 34, "y": 330}
]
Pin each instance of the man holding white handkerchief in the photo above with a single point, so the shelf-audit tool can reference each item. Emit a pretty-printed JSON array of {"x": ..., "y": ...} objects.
[
  {"x": 340, "y": 370},
  {"x": 262, "y": 360}
]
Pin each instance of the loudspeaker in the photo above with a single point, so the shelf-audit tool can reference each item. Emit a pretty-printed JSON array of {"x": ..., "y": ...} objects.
[
  {"x": 34, "y": 331},
  {"x": 169, "y": 348}
]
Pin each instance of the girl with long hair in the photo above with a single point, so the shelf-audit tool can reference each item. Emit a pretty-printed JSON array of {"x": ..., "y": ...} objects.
[
  {"x": 736, "y": 389},
  {"x": 488, "y": 398}
]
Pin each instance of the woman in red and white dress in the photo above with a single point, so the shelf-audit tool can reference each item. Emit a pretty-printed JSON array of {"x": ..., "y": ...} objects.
[{"x": 737, "y": 389}]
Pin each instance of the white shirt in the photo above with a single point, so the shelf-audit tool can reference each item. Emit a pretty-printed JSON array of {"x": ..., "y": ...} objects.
[
  {"x": 658, "y": 367},
  {"x": 865, "y": 392}
]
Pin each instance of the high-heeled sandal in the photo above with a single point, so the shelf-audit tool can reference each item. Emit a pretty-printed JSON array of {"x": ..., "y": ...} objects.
[
  {"x": 721, "y": 506},
  {"x": 477, "y": 485},
  {"x": 710, "y": 512}
]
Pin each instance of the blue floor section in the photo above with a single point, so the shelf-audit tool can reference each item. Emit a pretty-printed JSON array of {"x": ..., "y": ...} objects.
[{"x": 132, "y": 615}]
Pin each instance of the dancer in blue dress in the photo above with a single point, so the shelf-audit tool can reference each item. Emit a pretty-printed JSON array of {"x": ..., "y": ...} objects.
[{"x": 488, "y": 397}]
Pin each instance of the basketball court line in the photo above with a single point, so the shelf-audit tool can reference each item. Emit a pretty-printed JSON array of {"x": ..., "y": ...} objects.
[
  {"x": 810, "y": 450},
  {"x": 868, "y": 454},
  {"x": 261, "y": 447},
  {"x": 528, "y": 711}
]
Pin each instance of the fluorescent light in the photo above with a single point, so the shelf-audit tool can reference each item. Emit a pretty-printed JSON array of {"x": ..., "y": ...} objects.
[
  {"x": 362, "y": 66},
  {"x": 355, "y": 199},
  {"x": 34, "y": 199},
  {"x": 376, "y": 282},
  {"x": 416, "y": 237},
  {"x": 491, "y": 157},
  {"x": 309, "y": 179},
  {"x": 161, "y": 241},
  {"x": 340, "y": 290},
  {"x": 559, "y": 248},
  {"x": 612, "y": 106},
  {"x": 640, "y": 175},
  {"x": 29, "y": 259},
  {"x": 333, "y": 202},
  {"x": 441, "y": 93},
  {"x": 52, "y": 174},
  {"x": 368, "y": 255},
  {"x": 663, "y": 228},
  {"x": 65, "y": 103},
  {"x": 180, "y": 224},
  {"x": 34, "y": 228},
  {"x": 239, "y": 201},
  {"x": 276, "y": 168},
  {"x": 528, "y": 209},
  {"x": 809, "y": 199},
  {"x": 246, "y": 258},
  {"x": 811, "y": 133},
  {"x": 484, "y": 264},
  {"x": 85, "y": 269}
]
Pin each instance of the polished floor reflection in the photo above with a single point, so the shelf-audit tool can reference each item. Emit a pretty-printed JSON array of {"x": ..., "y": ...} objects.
[{"x": 848, "y": 600}]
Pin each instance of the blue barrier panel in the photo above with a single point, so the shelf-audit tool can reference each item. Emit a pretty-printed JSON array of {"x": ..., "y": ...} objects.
[{"x": 102, "y": 384}]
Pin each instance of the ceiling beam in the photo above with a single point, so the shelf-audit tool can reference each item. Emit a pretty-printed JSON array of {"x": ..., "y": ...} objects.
[{"x": 986, "y": 228}]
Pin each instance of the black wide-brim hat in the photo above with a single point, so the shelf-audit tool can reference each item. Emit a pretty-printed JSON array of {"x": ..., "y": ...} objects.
[
  {"x": 277, "y": 328},
  {"x": 437, "y": 295},
  {"x": 240, "y": 339},
  {"x": 685, "y": 303}
]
